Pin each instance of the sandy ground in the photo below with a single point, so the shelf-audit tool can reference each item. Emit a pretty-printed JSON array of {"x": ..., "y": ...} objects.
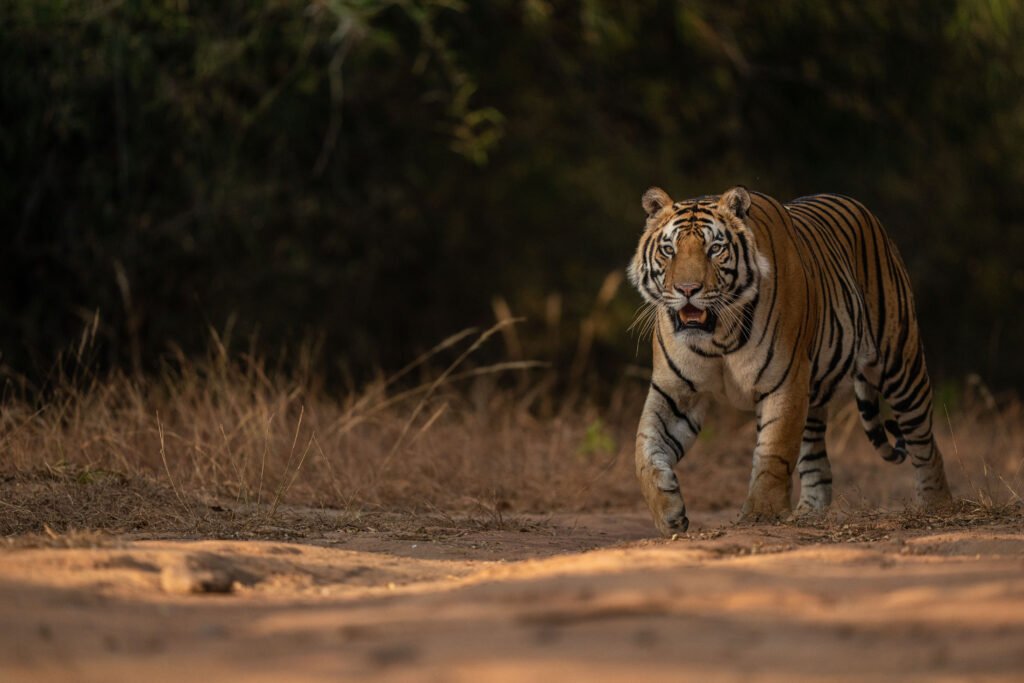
[{"x": 590, "y": 597}]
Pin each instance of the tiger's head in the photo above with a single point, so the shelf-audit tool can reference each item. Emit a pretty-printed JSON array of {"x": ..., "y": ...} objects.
[{"x": 697, "y": 259}]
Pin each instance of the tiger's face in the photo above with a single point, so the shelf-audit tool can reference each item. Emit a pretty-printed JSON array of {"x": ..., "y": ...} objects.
[{"x": 697, "y": 260}]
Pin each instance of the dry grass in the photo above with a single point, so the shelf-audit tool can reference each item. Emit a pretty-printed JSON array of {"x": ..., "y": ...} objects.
[
  {"x": 228, "y": 447},
  {"x": 228, "y": 435}
]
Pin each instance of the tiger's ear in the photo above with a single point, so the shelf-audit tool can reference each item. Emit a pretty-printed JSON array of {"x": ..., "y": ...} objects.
[
  {"x": 654, "y": 200},
  {"x": 735, "y": 201}
]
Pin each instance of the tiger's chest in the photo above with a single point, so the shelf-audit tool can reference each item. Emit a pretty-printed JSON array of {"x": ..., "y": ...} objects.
[{"x": 729, "y": 379}]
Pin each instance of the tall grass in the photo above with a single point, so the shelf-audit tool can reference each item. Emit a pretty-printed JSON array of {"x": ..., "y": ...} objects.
[
  {"x": 443, "y": 435},
  {"x": 227, "y": 430}
]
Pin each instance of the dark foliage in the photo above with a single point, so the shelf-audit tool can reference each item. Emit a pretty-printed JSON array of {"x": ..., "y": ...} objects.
[{"x": 373, "y": 172}]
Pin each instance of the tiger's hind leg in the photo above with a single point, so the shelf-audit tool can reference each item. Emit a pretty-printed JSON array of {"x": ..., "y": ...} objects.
[
  {"x": 813, "y": 466},
  {"x": 908, "y": 392},
  {"x": 931, "y": 487}
]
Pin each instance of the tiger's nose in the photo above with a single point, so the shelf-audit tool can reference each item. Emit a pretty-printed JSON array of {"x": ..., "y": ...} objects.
[{"x": 689, "y": 288}]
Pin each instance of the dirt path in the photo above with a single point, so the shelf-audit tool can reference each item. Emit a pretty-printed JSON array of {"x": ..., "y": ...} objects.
[{"x": 577, "y": 598}]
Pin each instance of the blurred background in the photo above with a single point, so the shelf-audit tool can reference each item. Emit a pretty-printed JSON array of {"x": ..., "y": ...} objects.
[{"x": 366, "y": 177}]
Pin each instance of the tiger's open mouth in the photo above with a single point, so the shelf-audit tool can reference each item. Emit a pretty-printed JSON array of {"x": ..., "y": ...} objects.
[{"x": 689, "y": 317}]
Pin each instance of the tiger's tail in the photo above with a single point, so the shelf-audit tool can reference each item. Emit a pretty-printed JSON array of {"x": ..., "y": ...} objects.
[{"x": 868, "y": 407}]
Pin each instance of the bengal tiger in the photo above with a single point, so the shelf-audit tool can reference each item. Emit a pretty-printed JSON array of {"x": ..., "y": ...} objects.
[{"x": 771, "y": 307}]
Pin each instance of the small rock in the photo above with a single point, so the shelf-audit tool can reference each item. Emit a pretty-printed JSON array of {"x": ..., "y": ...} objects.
[{"x": 184, "y": 581}]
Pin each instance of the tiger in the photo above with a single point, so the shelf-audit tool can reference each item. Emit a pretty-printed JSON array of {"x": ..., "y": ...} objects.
[{"x": 772, "y": 308}]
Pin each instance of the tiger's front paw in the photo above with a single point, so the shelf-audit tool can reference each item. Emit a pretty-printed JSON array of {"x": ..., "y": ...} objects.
[
  {"x": 765, "y": 508},
  {"x": 673, "y": 521},
  {"x": 666, "y": 503},
  {"x": 768, "y": 498},
  {"x": 669, "y": 512}
]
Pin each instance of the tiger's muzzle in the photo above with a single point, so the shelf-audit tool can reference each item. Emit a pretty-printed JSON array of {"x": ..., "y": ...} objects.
[{"x": 689, "y": 317}]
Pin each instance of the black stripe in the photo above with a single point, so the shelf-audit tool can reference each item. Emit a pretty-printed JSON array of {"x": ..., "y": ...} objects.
[
  {"x": 674, "y": 407},
  {"x": 876, "y": 435},
  {"x": 679, "y": 447},
  {"x": 868, "y": 409},
  {"x": 672, "y": 366},
  {"x": 811, "y": 457}
]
